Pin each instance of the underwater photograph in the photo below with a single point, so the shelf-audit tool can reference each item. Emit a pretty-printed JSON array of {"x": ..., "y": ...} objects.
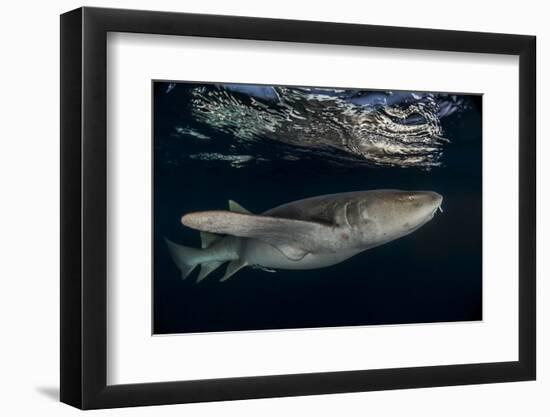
[{"x": 292, "y": 207}]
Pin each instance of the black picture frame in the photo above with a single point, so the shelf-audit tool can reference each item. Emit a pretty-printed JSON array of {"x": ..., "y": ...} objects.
[{"x": 84, "y": 207}]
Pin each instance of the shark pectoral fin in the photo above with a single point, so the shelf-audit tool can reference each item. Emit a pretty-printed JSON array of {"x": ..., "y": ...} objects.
[
  {"x": 263, "y": 268},
  {"x": 207, "y": 268},
  {"x": 237, "y": 208},
  {"x": 294, "y": 238},
  {"x": 291, "y": 252},
  {"x": 232, "y": 268}
]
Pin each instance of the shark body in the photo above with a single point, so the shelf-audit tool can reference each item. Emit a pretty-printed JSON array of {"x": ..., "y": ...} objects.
[{"x": 306, "y": 234}]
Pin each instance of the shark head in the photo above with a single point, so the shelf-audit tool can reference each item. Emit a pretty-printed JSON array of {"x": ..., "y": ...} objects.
[{"x": 385, "y": 215}]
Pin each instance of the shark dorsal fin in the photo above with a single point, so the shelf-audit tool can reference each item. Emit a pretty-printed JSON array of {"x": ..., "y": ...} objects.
[
  {"x": 208, "y": 239},
  {"x": 237, "y": 208}
]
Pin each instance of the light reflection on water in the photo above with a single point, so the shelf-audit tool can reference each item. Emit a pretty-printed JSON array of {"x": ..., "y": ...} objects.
[{"x": 373, "y": 128}]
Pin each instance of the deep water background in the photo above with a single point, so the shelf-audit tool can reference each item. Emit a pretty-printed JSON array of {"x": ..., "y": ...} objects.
[{"x": 432, "y": 275}]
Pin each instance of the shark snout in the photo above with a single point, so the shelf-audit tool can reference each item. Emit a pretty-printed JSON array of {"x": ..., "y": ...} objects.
[
  {"x": 418, "y": 207},
  {"x": 432, "y": 198},
  {"x": 430, "y": 201},
  {"x": 437, "y": 200}
]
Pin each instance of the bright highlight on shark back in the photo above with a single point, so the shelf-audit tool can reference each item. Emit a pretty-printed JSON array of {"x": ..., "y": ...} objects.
[{"x": 306, "y": 234}]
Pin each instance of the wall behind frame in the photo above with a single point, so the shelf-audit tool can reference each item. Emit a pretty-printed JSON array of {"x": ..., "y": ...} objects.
[{"x": 29, "y": 226}]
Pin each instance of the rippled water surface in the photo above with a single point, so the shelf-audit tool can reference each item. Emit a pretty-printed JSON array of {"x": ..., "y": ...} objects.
[
  {"x": 267, "y": 145},
  {"x": 341, "y": 126}
]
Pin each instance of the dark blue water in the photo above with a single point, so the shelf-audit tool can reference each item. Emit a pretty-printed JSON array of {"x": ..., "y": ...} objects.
[{"x": 207, "y": 152}]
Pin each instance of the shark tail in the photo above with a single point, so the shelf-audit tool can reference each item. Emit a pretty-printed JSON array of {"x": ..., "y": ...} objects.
[
  {"x": 184, "y": 257},
  {"x": 187, "y": 258}
]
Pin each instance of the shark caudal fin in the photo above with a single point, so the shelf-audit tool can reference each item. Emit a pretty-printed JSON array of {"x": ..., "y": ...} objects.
[
  {"x": 208, "y": 257},
  {"x": 185, "y": 258}
]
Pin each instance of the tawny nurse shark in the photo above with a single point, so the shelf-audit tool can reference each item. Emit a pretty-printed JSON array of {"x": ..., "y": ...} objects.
[{"x": 306, "y": 234}]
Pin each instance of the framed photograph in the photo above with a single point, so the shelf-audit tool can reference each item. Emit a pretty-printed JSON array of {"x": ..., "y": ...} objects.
[{"x": 258, "y": 208}]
